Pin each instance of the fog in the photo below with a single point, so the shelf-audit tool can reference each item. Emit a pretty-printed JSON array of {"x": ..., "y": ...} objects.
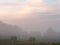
[
  {"x": 39, "y": 22},
  {"x": 30, "y": 18},
  {"x": 9, "y": 30}
]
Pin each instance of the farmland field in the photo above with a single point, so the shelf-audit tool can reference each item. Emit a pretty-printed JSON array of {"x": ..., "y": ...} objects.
[{"x": 17, "y": 42}]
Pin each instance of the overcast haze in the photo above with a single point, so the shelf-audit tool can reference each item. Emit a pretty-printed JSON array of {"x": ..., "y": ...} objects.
[{"x": 37, "y": 15}]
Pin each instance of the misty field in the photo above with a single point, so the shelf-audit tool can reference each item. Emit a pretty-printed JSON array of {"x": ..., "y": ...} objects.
[{"x": 16, "y": 42}]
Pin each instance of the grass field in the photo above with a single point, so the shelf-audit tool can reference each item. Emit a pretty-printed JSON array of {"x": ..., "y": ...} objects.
[{"x": 16, "y": 42}]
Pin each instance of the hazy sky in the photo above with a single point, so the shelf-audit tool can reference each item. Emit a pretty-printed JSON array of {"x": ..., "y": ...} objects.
[{"x": 31, "y": 14}]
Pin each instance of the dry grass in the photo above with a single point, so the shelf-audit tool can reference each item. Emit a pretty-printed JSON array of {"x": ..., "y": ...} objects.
[{"x": 15, "y": 42}]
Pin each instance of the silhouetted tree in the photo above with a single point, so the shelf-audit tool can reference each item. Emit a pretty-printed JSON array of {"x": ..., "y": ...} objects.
[
  {"x": 32, "y": 39},
  {"x": 13, "y": 38}
]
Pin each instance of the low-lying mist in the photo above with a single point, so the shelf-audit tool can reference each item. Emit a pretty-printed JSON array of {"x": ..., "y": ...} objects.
[{"x": 7, "y": 31}]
